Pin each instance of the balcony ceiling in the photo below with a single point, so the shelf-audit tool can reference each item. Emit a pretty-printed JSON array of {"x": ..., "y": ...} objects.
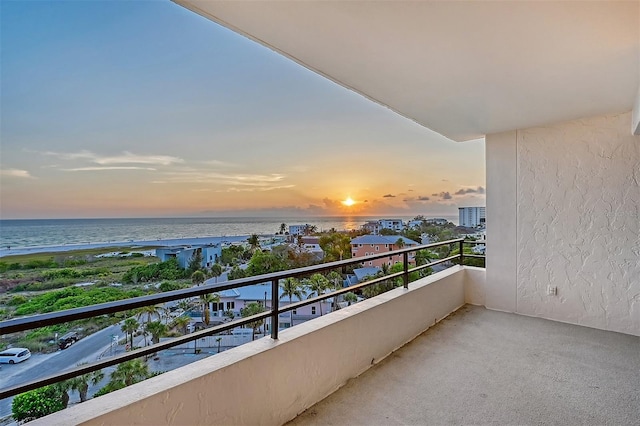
[{"x": 462, "y": 69}]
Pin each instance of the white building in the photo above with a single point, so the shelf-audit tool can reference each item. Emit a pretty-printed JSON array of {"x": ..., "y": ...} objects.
[
  {"x": 299, "y": 229},
  {"x": 471, "y": 217},
  {"x": 375, "y": 226}
]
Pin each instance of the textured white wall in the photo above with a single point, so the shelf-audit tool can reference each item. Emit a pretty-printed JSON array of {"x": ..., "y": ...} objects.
[{"x": 577, "y": 222}]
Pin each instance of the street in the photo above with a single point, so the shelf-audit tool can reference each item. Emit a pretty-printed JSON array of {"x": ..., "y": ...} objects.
[{"x": 87, "y": 349}]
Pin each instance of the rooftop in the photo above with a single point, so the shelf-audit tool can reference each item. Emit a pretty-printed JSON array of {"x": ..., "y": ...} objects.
[{"x": 381, "y": 239}]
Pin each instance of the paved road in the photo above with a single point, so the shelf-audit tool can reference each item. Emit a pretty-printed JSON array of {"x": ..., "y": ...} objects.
[{"x": 85, "y": 350}]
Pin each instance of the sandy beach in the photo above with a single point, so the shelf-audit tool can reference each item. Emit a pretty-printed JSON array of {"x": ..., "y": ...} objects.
[{"x": 13, "y": 251}]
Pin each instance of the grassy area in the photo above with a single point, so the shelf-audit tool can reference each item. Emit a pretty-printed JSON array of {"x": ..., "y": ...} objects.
[
  {"x": 44, "y": 282},
  {"x": 26, "y": 258},
  {"x": 46, "y": 271}
]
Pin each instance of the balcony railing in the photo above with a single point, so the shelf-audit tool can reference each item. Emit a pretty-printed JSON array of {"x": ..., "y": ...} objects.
[{"x": 53, "y": 318}]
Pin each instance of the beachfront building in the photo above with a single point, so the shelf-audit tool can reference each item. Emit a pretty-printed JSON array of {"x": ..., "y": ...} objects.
[
  {"x": 300, "y": 229},
  {"x": 471, "y": 217},
  {"x": 369, "y": 245},
  {"x": 210, "y": 254},
  {"x": 375, "y": 226}
]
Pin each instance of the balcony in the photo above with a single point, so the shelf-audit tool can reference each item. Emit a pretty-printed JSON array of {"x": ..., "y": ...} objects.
[
  {"x": 472, "y": 365},
  {"x": 486, "y": 367}
]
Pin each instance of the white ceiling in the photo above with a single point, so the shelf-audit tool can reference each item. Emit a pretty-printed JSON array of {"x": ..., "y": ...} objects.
[{"x": 462, "y": 69}]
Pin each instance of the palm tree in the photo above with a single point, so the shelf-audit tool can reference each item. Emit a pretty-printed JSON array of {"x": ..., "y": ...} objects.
[
  {"x": 254, "y": 242},
  {"x": 216, "y": 271},
  {"x": 150, "y": 312},
  {"x": 198, "y": 277},
  {"x": 253, "y": 308},
  {"x": 206, "y": 300},
  {"x": 423, "y": 257},
  {"x": 351, "y": 298},
  {"x": 335, "y": 283},
  {"x": 81, "y": 383},
  {"x": 283, "y": 228},
  {"x": 291, "y": 287},
  {"x": 157, "y": 330},
  {"x": 317, "y": 285},
  {"x": 130, "y": 326},
  {"x": 63, "y": 387},
  {"x": 130, "y": 372},
  {"x": 399, "y": 243},
  {"x": 182, "y": 323}
]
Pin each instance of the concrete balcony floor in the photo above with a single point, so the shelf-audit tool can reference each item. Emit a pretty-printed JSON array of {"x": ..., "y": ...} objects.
[{"x": 486, "y": 367}]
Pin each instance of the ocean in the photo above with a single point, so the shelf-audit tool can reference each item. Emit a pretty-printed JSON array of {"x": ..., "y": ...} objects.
[{"x": 58, "y": 232}]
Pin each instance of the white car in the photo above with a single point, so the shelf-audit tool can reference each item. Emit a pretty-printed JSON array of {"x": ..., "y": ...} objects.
[{"x": 14, "y": 355}]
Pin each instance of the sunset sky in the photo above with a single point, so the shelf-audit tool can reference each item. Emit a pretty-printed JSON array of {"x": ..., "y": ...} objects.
[{"x": 145, "y": 109}]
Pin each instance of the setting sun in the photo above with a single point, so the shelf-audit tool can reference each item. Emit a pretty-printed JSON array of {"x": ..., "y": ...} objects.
[{"x": 348, "y": 202}]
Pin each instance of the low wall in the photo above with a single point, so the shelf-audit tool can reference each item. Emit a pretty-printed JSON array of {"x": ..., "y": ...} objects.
[{"x": 270, "y": 382}]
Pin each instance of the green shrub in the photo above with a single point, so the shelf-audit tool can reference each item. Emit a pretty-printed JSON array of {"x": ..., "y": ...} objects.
[
  {"x": 37, "y": 403},
  {"x": 17, "y": 301},
  {"x": 39, "y": 264},
  {"x": 73, "y": 297}
]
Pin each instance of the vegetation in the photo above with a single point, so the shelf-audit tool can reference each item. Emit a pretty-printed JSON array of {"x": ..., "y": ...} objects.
[
  {"x": 233, "y": 254},
  {"x": 36, "y": 403},
  {"x": 207, "y": 300},
  {"x": 157, "y": 330},
  {"x": 126, "y": 374},
  {"x": 336, "y": 246},
  {"x": 216, "y": 271},
  {"x": 130, "y": 326},
  {"x": 81, "y": 383},
  {"x": 198, "y": 277},
  {"x": 317, "y": 284},
  {"x": 73, "y": 297},
  {"x": 264, "y": 263},
  {"x": 253, "y": 308},
  {"x": 168, "y": 270},
  {"x": 291, "y": 287}
]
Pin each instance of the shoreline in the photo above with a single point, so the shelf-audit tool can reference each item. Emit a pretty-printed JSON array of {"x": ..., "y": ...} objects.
[{"x": 17, "y": 251}]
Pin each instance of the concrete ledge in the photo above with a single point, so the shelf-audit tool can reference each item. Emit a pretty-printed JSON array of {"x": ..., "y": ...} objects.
[{"x": 270, "y": 382}]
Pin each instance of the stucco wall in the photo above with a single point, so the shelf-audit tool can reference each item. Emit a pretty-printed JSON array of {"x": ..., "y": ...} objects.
[
  {"x": 577, "y": 209},
  {"x": 270, "y": 382}
]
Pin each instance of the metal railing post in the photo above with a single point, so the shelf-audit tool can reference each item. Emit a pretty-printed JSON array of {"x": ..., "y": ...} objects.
[
  {"x": 405, "y": 277},
  {"x": 275, "y": 308},
  {"x": 462, "y": 252}
]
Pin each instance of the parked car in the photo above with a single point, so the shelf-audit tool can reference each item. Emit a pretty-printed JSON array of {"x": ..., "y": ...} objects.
[
  {"x": 68, "y": 340},
  {"x": 14, "y": 355}
]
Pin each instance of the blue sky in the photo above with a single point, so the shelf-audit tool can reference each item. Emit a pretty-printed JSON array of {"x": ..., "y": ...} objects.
[{"x": 138, "y": 109}]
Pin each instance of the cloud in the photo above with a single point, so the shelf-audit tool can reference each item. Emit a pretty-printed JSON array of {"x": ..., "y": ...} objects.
[
  {"x": 443, "y": 195},
  {"x": 100, "y": 169},
  {"x": 218, "y": 163},
  {"x": 232, "y": 179},
  {"x": 463, "y": 191},
  {"x": 125, "y": 158},
  {"x": 16, "y": 173},
  {"x": 261, "y": 188},
  {"x": 389, "y": 196},
  {"x": 413, "y": 199}
]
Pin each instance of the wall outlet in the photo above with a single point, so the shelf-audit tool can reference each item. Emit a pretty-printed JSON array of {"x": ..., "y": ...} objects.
[{"x": 552, "y": 290}]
